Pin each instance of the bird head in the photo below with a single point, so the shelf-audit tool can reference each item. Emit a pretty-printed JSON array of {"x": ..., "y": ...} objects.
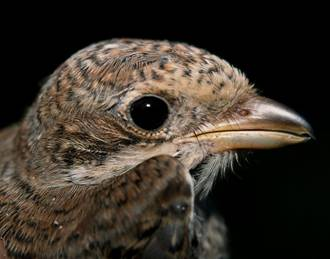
[{"x": 117, "y": 103}]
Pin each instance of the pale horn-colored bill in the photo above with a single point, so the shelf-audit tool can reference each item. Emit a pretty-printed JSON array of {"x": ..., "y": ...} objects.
[{"x": 266, "y": 124}]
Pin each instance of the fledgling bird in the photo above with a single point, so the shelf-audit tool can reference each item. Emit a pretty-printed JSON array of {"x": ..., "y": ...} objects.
[{"x": 100, "y": 165}]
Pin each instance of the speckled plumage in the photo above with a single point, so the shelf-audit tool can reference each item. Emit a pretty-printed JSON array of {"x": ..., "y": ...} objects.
[{"x": 80, "y": 180}]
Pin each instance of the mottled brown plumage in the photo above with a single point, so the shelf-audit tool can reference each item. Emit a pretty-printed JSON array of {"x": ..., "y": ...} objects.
[{"x": 79, "y": 179}]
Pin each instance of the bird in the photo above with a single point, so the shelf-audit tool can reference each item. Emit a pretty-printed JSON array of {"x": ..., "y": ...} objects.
[{"x": 100, "y": 165}]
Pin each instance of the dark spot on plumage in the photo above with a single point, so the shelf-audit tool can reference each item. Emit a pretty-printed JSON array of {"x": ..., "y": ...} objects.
[
  {"x": 123, "y": 182},
  {"x": 59, "y": 132},
  {"x": 38, "y": 111},
  {"x": 58, "y": 84},
  {"x": 7, "y": 232},
  {"x": 36, "y": 198},
  {"x": 96, "y": 60},
  {"x": 82, "y": 71},
  {"x": 45, "y": 235},
  {"x": 192, "y": 59},
  {"x": 3, "y": 204},
  {"x": 155, "y": 75},
  {"x": 200, "y": 79},
  {"x": 26, "y": 188},
  {"x": 93, "y": 245},
  {"x": 163, "y": 61},
  {"x": 167, "y": 163},
  {"x": 22, "y": 237},
  {"x": 121, "y": 199},
  {"x": 142, "y": 75},
  {"x": 185, "y": 64},
  {"x": 194, "y": 115},
  {"x": 137, "y": 179},
  {"x": 88, "y": 178},
  {"x": 214, "y": 69},
  {"x": 59, "y": 211},
  {"x": 158, "y": 171},
  {"x": 100, "y": 157},
  {"x": 3, "y": 192},
  {"x": 70, "y": 94},
  {"x": 31, "y": 223},
  {"x": 69, "y": 156},
  {"x": 187, "y": 72},
  {"x": 222, "y": 84},
  {"x": 65, "y": 211}
]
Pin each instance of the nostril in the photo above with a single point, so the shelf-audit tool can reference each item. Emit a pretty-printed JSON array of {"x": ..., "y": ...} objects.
[{"x": 243, "y": 112}]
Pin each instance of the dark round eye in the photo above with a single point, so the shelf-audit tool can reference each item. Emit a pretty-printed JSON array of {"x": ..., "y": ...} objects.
[{"x": 149, "y": 112}]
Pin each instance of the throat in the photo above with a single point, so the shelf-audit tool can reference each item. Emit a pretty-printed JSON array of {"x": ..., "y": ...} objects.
[{"x": 206, "y": 173}]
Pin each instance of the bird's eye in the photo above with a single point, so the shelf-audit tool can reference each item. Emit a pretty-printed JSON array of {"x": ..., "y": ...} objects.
[{"x": 149, "y": 112}]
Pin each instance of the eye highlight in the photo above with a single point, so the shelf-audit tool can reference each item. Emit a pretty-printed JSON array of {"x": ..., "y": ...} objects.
[{"x": 149, "y": 112}]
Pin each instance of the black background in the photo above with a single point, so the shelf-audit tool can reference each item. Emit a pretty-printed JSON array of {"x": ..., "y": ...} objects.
[{"x": 276, "y": 205}]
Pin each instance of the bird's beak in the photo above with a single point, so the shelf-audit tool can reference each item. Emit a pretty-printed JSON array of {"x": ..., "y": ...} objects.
[{"x": 262, "y": 124}]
